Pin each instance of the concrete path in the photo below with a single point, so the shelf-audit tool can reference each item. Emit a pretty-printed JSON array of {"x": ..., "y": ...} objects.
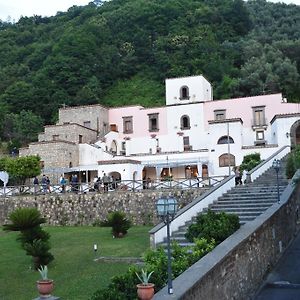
[{"x": 283, "y": 283}]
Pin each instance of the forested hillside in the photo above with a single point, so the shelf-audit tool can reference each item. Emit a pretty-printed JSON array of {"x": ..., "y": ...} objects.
[{"x": 119, "y": 52}]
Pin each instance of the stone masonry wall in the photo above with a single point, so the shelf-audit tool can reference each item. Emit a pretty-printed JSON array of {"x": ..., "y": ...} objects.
[
  {"x": 69, "y": 132},
  {"x": 54, "y": 153},
  {"x": 85, "y": 209},
  {"x": 96, "y": 114}
]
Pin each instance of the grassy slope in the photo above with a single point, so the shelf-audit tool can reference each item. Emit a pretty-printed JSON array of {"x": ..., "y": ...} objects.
[{"x": 75, "y": 273}]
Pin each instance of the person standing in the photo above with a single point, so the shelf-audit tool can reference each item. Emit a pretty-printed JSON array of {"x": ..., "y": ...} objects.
[
  {"x": 63, "y": 184},
  {"x": 238, "y": 176},
  {"x": 74, "y": 183},
  {"x": 36, "y": 185},
  {"x": 48, "y": 184},
  {"x": 105, "y": 180},
  {"x": 44, "y": 184}
]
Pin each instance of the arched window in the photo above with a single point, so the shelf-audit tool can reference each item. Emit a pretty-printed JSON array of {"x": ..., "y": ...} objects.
[
  {"x": 184, "y": 93},
  {"x": 113, "y": 147},
  {"x": 224, "y": 140},
  {"x": 225, "y": 158},
  {"x": 185, "y": 122}
]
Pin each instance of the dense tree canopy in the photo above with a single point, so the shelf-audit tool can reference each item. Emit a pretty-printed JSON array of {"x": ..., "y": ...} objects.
[
  {"x": 20, "y": 168},
  {"x": 120, "y": 51}
]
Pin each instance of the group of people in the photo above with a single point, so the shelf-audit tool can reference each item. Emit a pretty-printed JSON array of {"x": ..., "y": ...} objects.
[
  {"x": 45, "y": 182},
  {"x": 108, "y": 182},
  {"x": 104, "y": 183}
]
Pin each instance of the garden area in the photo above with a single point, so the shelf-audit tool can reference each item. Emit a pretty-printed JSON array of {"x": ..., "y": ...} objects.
[
  {"x": 86, "y": 262},
  {"x": 75, "y": 273}
]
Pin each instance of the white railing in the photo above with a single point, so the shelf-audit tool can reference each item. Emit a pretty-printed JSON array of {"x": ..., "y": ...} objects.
[{"x": 118, "y": 185}]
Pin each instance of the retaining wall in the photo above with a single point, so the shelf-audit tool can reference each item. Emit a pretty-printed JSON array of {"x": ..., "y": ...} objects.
[{"x": 84, "y": 209}]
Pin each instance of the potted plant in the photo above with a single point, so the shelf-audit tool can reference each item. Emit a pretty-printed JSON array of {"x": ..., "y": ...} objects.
[
  {"x": 145, "y": 289},
  {"x": 45, "y": 286}
]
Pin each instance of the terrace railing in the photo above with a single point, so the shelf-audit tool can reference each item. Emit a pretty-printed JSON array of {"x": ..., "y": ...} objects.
[{"x": 122, "y": 185}]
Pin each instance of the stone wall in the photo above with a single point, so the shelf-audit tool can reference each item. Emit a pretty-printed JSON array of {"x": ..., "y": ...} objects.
[
  {"x": 69, "y": 132},
  {"x": 85, "y": 209},
  {"x": 97, "y": 115},
  {"x": 54, "y": 153},
  {"x": 237, "y": 267}
]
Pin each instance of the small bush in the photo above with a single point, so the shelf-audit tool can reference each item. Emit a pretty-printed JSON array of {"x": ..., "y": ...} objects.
[
  {"x": 217, "y": 226},
  {"x": 250, "y": 161},
  {"x": 119, "y": 223},
  {"x": 122, "y": 287}
]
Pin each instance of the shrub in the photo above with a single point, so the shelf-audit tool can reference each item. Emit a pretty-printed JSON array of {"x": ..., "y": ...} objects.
[
  {"x": 250, "y": 161},
  {"x": 119, "y": 223},
  {"x": 33, "y": 239},
  {"x": 293, "y": 162},
  {"x": 123, "y": 287},
  {"x": 217, "y": 226}
]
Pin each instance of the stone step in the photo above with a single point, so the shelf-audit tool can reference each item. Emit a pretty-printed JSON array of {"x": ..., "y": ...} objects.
[
  {"x": 256, "y": 189},
  {"x": 241, "y": 205},
  {"x": 249, "y": 196},
  {"x": 179, "y": 234},
  {"x": 237, "y": 211},
  {"x": 183, "y": 244},
  {"x": 242, "y": 201}
]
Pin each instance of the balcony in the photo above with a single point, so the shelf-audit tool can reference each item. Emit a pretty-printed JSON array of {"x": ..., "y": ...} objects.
[{"x": 260, "y": 142}]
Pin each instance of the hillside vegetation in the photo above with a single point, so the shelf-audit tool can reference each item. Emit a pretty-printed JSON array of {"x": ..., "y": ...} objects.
[{"x": 119, "y": 52}]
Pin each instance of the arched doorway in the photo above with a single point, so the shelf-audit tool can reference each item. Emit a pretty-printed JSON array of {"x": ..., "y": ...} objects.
[{"x": 295, "y": 134}]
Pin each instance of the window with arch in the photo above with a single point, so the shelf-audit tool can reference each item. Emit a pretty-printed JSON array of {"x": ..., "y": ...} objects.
[
  {"x": 225, "y": 159},
  {"x": 224, "y": 140},
  {"x": 113, "y": 147},
  {"x": 184, "y": 93},
  {"x": 185, "y": 122}
]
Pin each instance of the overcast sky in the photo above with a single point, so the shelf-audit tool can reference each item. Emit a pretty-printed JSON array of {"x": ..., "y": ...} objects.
[{"x": 16, "y": 8}]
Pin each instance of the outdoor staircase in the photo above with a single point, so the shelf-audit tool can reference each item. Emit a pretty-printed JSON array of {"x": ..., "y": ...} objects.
[{"x": 247, "y": 201}]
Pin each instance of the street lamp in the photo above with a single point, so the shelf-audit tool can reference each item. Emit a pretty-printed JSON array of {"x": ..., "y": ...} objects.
[
  {"x": 166, "y": 210},
  {"x": 276, "y": 166}
]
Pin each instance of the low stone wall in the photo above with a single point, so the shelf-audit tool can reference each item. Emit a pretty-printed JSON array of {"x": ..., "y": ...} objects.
[
  {"x": 236, "y": 267},
  {"x": 85, "y": 209}
]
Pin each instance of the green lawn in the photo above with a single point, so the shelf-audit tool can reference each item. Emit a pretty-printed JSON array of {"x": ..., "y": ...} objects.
[{"x": 77, "y": 276}]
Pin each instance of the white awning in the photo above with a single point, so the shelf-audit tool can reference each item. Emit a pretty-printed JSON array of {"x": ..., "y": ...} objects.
[{"x": 173, "y": 163}]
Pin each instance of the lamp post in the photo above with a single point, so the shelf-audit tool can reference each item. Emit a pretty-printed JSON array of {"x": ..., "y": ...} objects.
[
  {"x": 166, "y": 210},
  {"x": 276, "y": 166}
]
